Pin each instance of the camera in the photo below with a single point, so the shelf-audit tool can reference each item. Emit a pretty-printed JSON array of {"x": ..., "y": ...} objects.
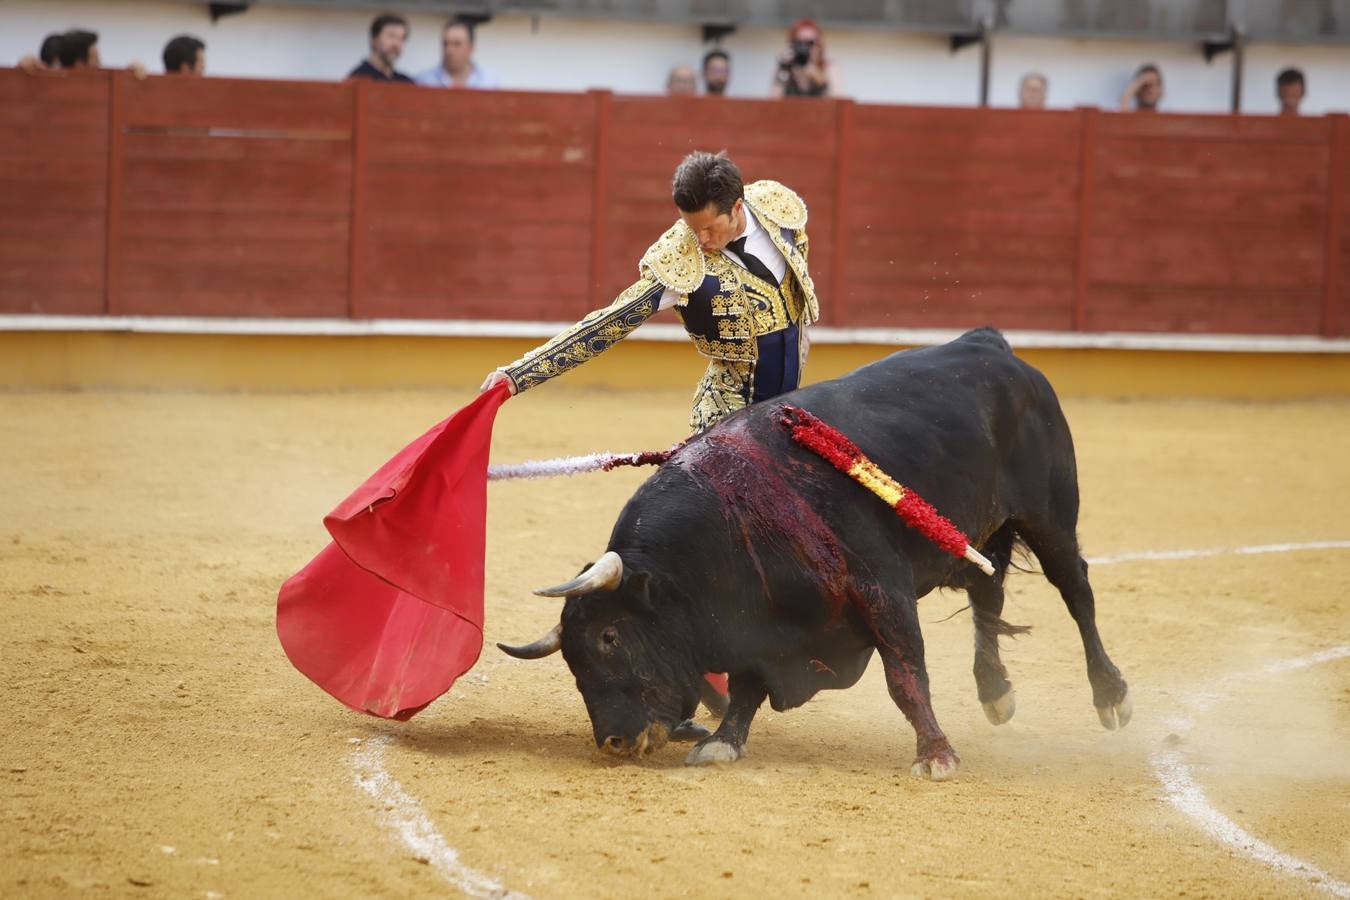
[{"x": 801, "y": 52}]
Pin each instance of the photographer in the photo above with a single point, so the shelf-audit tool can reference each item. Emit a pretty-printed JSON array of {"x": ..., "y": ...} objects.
[
  {"x": 1145, "y": 90},
  {"x": 803, "y": 69}
]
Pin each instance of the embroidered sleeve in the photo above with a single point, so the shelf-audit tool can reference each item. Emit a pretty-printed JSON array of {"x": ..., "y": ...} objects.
[{"x": 590, "y": 337}]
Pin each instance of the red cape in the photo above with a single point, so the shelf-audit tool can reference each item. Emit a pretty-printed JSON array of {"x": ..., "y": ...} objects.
[{"x": 390, "y": 613}]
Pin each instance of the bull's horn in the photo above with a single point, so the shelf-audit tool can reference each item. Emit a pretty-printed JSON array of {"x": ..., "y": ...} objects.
[
  {"x": 603, "y": 576},
  {"x": 549, "y": 643}
]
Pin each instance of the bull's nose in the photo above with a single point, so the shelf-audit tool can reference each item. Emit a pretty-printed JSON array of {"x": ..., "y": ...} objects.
[{"x": 616, "y": 744}]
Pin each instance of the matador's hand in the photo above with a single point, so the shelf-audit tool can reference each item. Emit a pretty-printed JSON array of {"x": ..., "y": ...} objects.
[{"x": 495, "y": 377}]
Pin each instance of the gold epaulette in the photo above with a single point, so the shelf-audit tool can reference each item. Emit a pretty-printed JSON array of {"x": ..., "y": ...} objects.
[
  {"x": 675, "y": 260},
  {"x": 781, "y": 204}
]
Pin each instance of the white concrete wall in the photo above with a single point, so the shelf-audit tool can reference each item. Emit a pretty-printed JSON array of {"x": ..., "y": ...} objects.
[{"x": 631, "y": 57}]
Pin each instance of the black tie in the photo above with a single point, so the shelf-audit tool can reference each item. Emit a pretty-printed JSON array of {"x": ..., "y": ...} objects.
[{"x": 752, "y": 262}]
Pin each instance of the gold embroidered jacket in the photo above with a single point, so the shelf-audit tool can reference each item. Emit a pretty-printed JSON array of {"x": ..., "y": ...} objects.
[{"x": 713, "y": 303}]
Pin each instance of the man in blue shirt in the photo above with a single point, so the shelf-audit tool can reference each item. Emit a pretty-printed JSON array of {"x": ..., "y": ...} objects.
[{"x": 457, "y": 68}]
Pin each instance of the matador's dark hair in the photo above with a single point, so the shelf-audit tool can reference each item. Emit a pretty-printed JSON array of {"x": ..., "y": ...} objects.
[{"x": 704, "y": 178}]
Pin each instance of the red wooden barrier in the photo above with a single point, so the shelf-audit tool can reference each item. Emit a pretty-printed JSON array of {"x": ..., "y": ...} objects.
[
  {"x": 961, "y": 217},
  {"x": 230, "y": 197},
  {"x": 1336, "y": 287},
  {"x": 1208, "y": 223},
  {"x": 53, "y": 193},
  {"x": 478, "y": 205},
  {"x": 235, "y": 198}
]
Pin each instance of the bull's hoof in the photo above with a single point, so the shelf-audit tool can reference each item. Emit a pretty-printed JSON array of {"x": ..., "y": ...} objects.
[
  {"x": 940, "y": 766},
  {"x": 689, "y": 731},
  {"x": 713, "y": 751},
  {"x": 1117, "y": 716},
  {"x": 1000, "y": 711}
]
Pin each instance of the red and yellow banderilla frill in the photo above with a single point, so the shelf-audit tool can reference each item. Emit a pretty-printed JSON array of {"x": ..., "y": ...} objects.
[{"x": 844, "y": 455}]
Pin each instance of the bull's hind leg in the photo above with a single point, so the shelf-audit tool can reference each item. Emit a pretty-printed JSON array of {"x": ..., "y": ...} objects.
[
  {"x": 727, "y": 743},
  {"x": 986, "y": 604},
  {"x": 1066, "y": 569},
  {"x": 893, "y": 619}
]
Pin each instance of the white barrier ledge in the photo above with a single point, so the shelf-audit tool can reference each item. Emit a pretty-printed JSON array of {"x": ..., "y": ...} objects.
[{"x": 1208, "y": 343}]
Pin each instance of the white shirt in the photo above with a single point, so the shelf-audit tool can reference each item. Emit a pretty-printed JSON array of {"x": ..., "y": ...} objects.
[
  {"x": 480, "y": 78},
  {"x": 757, "y": 243}
]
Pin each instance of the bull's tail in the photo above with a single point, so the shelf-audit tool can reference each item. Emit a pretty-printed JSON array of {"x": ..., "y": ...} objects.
[{"x": 992, "y": 623}]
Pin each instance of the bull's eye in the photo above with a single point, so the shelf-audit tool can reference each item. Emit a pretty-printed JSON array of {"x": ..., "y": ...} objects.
[{"x": 608, "y": 638}]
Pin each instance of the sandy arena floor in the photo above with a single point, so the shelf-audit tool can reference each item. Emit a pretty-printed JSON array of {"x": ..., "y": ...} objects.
[{"x": 159, "y": 744}]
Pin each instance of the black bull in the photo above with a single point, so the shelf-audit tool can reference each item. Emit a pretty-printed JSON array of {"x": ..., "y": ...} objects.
[{"x": 748, "y": 554}]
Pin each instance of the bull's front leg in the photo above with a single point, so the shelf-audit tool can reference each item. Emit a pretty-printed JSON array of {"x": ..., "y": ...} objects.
[
  {"x": 894, "y": 622},
  {"x": 727, "y": 743}
]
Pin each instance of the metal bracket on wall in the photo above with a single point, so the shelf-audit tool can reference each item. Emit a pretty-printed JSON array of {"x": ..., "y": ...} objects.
[
  {"x": 220, "y": 10},
  {"x": 713, "y": 32}
]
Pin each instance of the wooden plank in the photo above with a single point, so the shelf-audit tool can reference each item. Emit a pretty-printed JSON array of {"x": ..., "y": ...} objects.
[
  {"x": 604, "y": 103},
  {"x": 1240, "y": 129},
  {"x": 360, "y": 175},
  {"x": 20, "y": 298},
  {"x": 394, "y": 101},
  {"x": 1213, "y": 164},
  {"x": 837, "y": 309},
  {"x": 230, "y": 145},
  {"x": 1202, "y": 310},
  {"x": 1084, "y": 215},
  {"x": 1336, "y": 240},
  {"x": 18, "y": 197},
  {"x": 293, "y": 289},
  {"x": 407, "y": 200},
  {"x": 53, "y": 192},
  {"x": 222, "y": 228},
  {"x": 30, "y": 259},
  {"x": 21, "y": 92},
  {"x": 53, "y": 224},
  {"x": 283, "y": 187},
  {"x": 1228, "y": 257},
  {"x": 250, "y": 104},
  {"x": 1202, "y": 205},
  {"x": 117, "y": 110},
  {"x": 923, "y": 305}
]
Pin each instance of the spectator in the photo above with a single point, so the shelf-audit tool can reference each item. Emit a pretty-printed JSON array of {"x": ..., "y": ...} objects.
[
  {"x": 185, "y": 55},
  {"x": 78, "y": 50},
  {"x": 1032, "y": 91},
  {"x": 803, "y": 69},
  {"x": 716, "y": 71},
  {"x": 1145, "y": 90},
  {"x": 1289, "y": 87},
  {"x": 388, "y": 34},
  {"x": 50, "y": 54},
  {"x": 457, "y": 68},
  {"x": 49, "y": 57},
  {"x": 682, "y": 81}
]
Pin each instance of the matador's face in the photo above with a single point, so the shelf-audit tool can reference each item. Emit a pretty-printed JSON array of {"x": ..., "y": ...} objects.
[{"x": 716, "y": 229}]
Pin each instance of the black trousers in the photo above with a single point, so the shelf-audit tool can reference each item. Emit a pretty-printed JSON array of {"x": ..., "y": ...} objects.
[{"x": 779, "y": 367}]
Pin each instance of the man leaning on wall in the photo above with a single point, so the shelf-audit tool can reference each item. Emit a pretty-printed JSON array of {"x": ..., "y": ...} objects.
[
  {"x": 388, "y": 34},
  {"x": 185, "y": 55},
  {"x": 457, "y": 68}
]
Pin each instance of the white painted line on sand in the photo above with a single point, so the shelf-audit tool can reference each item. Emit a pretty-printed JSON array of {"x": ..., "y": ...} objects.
[
  {"x": 400, "y": 812},
  {"x": 1215, "y": 551},
  {"x": 1188, "y": 797}
]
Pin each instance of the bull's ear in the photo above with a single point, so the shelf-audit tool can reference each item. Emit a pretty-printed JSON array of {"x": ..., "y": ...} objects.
[{"x": 637, "y": 590}]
